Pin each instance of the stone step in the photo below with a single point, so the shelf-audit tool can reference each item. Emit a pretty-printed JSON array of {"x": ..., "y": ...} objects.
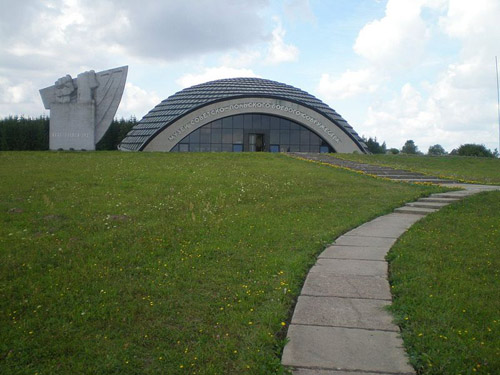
[
  {"x": 386, "y": 170},
  {"x": 408, "y": 177},
  {"x": 379, "y": 171},
  {"x": 439, "y": 200},
  {"x": 436, "y": 205},
  {"x": 431, "y": 180},
  {"x": 414, "y": 210},
  {"x": 451, "y": 195}
]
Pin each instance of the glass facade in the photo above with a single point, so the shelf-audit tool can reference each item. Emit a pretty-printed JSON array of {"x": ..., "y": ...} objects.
[{"x": 252, "y": 132}]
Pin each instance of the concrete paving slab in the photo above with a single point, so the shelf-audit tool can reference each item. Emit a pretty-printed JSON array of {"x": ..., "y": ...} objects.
[
  {"x": 439, "y": 200},
  {"x": 415, "y": 210},
  {"x": 452, "y": 194},
  {"x": 345, "y": 349},
  {"x": 433, "y": 205},
  {"x": 348, "y": 240},
  {"x": 352, "y": 267},
  {"x": 306, "y": 371},
  {"x": 354, "y": 252},
  {"x": 327, "y": 284},
  {"x": 408, "y": 220},
  {"x": 380, "y": 228},
  {"x": 343, "y": 312}
]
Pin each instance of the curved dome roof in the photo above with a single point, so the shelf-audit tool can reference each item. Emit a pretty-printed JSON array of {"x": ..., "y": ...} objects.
[{"x": 192, "y": 98}]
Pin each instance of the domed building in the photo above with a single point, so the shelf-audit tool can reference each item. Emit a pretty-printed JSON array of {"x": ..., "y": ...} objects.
[{"x": 243, "y": 114}]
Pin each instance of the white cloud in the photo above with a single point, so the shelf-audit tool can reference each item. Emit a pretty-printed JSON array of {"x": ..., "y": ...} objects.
[
  {"x": 279, "y": 51},
  {"x": 350, "y": 83},
  {"x": 18, "y": 97},
  {"x": 458, "y": 106},
  {"x": 441, "y": 112},
  {"x": 398, "y": 39},
  {"x": 466, "y": 19},
  {"x": 239, "y": 59},
  {"x": 299, "y": 10},
  {"x": 211, "y": 74},
  {"x": 43, "y": 40},
  {"x": 136, "y": 101}
]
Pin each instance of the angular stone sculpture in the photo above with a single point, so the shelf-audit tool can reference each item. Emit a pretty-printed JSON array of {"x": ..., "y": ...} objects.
[{"x": 82, "y": 109}]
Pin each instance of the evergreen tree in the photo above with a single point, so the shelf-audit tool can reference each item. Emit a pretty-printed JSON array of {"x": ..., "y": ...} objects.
[{"x": 373, "y": 146}]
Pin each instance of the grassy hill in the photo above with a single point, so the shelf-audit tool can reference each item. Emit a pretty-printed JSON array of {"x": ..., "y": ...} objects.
[{"x": 145, "y": 263}]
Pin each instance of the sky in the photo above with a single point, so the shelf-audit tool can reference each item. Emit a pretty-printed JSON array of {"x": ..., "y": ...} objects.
[{"x": 394, "y": 69}]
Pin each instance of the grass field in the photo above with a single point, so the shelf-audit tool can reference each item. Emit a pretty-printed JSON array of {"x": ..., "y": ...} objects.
[
  {"x": 470, "y": 169},
  {"x": 143, "y": 263},
  {"x": 446, "y": 287}
]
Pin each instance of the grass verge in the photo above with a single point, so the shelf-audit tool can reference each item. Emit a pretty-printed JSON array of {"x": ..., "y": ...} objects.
[
  {"x": 462, "y": 168},
  {"x": 144, "y": 263},
  {"x": 444, "y": 274}
]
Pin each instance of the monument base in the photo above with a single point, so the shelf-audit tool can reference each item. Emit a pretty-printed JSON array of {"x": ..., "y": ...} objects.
[{"x": 72, "y": 126}]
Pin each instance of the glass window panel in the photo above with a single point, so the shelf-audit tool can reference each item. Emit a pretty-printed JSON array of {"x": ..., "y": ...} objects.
[
  {"x": 216, "y": 147},
  {"x": 227, "y": 135},
  {"x": 216, "y": 124},
  {"x": 304, "y": 137},
  {"x": 274, "y": 148},
  {"x": 194, "y": 137},
  {"x": 274, "y": 136},
  {"x": 216, "y": 136},
  {"x": 284, "y": 136},
  {"x": 205, "y": 135},
  {"x": 285, "y": 147},
  {"x": 294, "y": 126},
  {"x": 256, "y": 121},
  {"x": 247, "y": 121},
  {"x": 237, "y": 135},
  {"x": 194, "y": 147},
  {"x": 315, "y": 140},
  {"x": 324, "y": 149},
  {"x": 227, "y": 123},
  {"x": 238, "y": 122},
  {"x": 184, "y": 147},
  {"x": 294, "y": 148},
  {"x": 265, "y": 122},
  {"x": 227, "y": 147},
  {"x": 294, "y": 137},
  {"x": 284, "y": 124},
  {"x": 205, "y": 147},
  {"x": 175, "y": 148},
  {"x": 275, "y": 122},
  {"x": 237, "y": 148}
]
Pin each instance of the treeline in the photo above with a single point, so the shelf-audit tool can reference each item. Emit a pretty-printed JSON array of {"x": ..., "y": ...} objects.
[
  {"x": 410, "y": 148},
  {"x": 32, "y": 134}
]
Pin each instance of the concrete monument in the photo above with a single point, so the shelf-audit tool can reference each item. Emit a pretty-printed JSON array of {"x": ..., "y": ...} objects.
[{"x": 82, "y": 109}]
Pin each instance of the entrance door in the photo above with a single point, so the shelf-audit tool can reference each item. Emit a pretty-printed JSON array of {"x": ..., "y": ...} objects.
[{"x": 256, "y": 142}]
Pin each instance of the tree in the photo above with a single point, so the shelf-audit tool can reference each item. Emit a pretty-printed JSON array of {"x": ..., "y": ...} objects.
[
  {"x": 373, "y": 146},
  {"x": 471, "y": 149},
  {"x": 410, "y": 147},
  {"x": 394, "y": 151},
  {"x": 436, "y": 150}
]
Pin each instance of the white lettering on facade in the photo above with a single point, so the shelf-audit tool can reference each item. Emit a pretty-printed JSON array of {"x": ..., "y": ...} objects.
[{"x": 184, "y": 129}]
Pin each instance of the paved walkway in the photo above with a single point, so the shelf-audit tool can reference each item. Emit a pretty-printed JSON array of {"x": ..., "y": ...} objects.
[{"x": 339, "y": 325}]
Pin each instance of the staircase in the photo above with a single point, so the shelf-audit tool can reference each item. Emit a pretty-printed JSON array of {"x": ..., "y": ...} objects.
[{"x": 375, "y": 170}]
